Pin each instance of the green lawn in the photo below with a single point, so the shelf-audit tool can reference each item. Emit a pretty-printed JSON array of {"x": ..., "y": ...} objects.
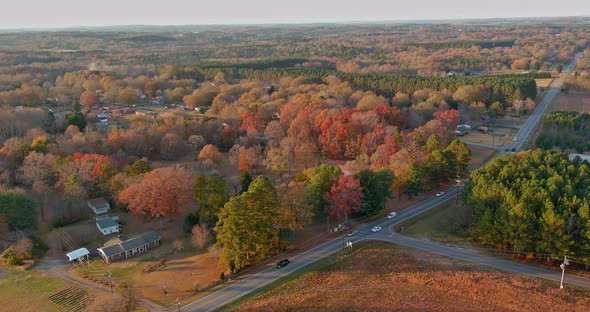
[
  {"x": 444, "y": 223},
  {"x": 28, "y": 290}
]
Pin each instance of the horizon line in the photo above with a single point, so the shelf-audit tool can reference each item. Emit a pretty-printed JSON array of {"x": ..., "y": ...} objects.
[{"x": 278, "y": 23}]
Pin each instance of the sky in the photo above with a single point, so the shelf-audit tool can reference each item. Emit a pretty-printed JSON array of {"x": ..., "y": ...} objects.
[{"x": 67, "y": 13}]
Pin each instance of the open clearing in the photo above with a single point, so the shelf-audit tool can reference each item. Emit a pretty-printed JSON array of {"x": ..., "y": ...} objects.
[
  {"x": 383, "y": 277},
  {"x": 17, "y": 288},
  {"x": 572, "y": 101},
  {"x": 500, "y": 137}
]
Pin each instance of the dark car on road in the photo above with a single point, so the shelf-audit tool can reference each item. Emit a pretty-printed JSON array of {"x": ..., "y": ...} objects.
[{"x": 283, "y": 263}]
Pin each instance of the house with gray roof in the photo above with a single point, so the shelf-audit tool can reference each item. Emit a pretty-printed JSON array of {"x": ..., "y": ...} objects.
[
  {"x": 107, "y": 226},
  {"x": 129, "y": 248},
  {"x": 99, "y": 205}
]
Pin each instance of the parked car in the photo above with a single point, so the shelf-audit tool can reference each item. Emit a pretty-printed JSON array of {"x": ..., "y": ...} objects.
[
  {"x": 376, "y": 229},
  {"x": 391, "y": 215},
  {"x": 439, "y": 194},
  {"x": 283, "y": 263},
  {"x": 352, "y": 233}
]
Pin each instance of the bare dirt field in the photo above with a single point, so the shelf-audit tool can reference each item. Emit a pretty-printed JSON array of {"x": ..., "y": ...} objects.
[
  {"x": 572, "y": 101},
  {"x": 500, "y": 137},
  {"x": 479, "y": 156},
  {"x": 543, "y": 83},
  {"x": 381, "y": 277}
]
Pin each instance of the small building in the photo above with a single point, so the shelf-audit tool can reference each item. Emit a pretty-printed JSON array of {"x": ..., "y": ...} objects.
[
  {"x": 78, "y": 255},
  {"x": 583, "y": 157},
  {"x": 129, "y": 248},
  {"x": 99, "y": 205},
  {"x": 461, "y": 131},
  {"x": 107, "y": 226}
]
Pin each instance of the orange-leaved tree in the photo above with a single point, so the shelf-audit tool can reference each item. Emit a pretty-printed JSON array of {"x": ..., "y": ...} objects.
[{"x": 160, "y": 193}]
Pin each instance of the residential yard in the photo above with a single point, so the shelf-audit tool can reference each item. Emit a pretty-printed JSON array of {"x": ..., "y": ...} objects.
[
  {"x": 572, "y": 101},
  {"x": 383, "y": 277},
  {"x": 183, "y": 274}
]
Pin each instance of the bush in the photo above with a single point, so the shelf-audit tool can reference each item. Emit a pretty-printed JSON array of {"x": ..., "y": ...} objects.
[
  {"x": 39, "y": 244},
  {"x": 12, "y": 260},
  {"x": 222, "y": 275},
  {"x": 191, "y": 220}
]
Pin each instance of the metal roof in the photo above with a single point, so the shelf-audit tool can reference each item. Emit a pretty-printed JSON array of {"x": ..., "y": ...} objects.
[{"x": 78, "y": 253}]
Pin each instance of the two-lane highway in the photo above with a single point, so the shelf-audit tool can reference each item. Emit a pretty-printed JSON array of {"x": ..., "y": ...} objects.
[{"x": 247, "y": 285}]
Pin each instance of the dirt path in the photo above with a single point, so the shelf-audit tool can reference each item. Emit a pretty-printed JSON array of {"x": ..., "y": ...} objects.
[{"x": 59, "y": 269}]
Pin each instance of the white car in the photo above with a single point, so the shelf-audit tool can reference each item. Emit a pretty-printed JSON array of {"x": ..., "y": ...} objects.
[
  {"x": 391, "y": 215},
  {"x": 351, "y": 233},
  {"x": 376, "y": 229},
  {"x": 439, "y": 194}
]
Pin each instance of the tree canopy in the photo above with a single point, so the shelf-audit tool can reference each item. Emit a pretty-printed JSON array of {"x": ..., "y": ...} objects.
[
  {"x": 19, "y": 210},
  {"x": 533, "y": 201},
  {"x": 246, "y": 227}
]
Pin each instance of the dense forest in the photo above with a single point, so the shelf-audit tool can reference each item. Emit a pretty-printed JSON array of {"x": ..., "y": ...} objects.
[
  {"x": 567, "y": 131},
  {"x": 533, "y": 202},
  {"x": 294, "y": 122}
]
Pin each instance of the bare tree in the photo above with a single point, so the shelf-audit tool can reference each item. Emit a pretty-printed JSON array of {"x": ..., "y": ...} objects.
[{"x": 201, "y": 236}]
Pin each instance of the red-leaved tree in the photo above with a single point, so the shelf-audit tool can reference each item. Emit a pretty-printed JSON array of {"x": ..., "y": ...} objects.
[
  {"x": 160, "y": 193},
  {"x": 344, "y": 197}
]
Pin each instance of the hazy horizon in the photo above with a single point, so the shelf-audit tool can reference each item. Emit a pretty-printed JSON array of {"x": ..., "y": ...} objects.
[{"x": 71, "y": 14}]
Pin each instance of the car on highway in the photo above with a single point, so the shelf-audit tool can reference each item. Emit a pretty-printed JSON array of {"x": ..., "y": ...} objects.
[
  {"x": 439, "y": 194},
  {"x": 283, "y": 263},
  {"x": 376, "y": 229},
  {"x": 513, "y": 149},
  {"x": 391, "y": 215},
  {"x": 352, "y": 233}
]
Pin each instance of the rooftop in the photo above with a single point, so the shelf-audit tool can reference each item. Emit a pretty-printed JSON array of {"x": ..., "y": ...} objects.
[
  {"x": 73, "y": 255},
  {"x": 98, "y": 202},
  {"x": 106, "y": 223}
]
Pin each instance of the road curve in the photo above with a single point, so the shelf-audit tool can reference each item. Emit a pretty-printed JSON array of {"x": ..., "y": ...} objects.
[{"x": 249, "y": 284}]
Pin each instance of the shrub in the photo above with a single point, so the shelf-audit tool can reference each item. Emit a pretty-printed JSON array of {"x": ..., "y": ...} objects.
[
  {"x": 39, "y": 244},
  {"x": 222, "y": 275},
  {"x": 12, "y": 260}
]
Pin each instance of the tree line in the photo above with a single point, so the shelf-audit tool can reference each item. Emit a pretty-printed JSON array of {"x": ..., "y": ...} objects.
[
  {"x": 566, "y": 130},
  {"x": 535, "y": 201}
]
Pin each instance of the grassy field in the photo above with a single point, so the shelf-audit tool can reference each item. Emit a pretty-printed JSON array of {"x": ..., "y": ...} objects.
[
  {"x": 446, "y": 223},
  {"x": 383, "y": 277},
  {"x": 572, "y": 101},
  {"x": 29, "y": 290}
]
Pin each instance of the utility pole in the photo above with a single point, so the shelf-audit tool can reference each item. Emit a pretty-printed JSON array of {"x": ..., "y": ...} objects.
[
  {"x": 178, "y": 304},
  {"x": 110, "y": 281},
  {"x": 458, "y": 183},
  {"x": 562, "y": 266}
]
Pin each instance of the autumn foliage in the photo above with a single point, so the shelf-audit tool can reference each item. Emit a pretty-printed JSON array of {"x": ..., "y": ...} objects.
[
  {"x": 161, "y": 192},
  {"x": 345, "y": 197}
]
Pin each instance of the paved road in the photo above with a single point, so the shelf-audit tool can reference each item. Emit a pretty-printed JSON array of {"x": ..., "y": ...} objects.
[
  {"x": 500, "y": 148},
  {"x": 523, "y": 135},
  {"x": 247, "y": 285}
]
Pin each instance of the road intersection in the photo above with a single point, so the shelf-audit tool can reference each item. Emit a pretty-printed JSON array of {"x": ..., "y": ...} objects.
[{"x": 251, "y": 283}]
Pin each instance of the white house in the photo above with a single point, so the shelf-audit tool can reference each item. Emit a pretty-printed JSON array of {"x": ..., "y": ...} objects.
[
  {"x": 107, "y": 226},
  {"x": 99, "y": 205}
]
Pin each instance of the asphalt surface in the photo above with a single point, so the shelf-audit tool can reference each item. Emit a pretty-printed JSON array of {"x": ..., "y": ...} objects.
[{"x": 247, "y": 285}]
